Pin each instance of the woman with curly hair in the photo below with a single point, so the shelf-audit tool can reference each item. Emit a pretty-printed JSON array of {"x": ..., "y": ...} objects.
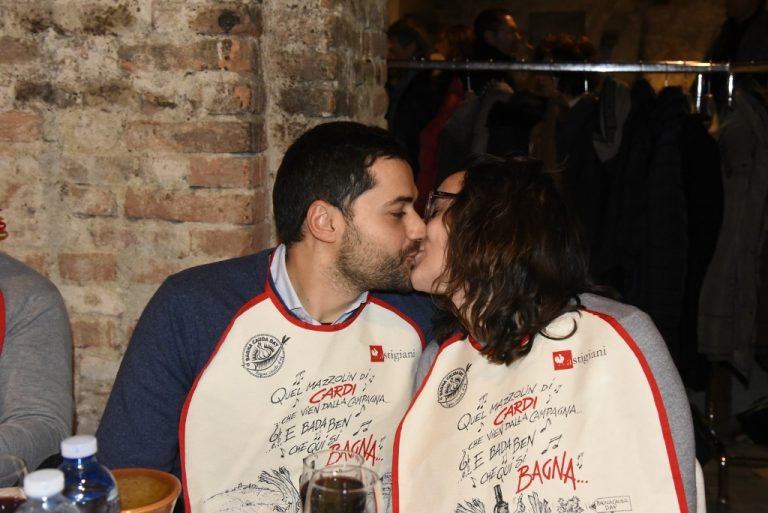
[{"x": 544, "y": 395}]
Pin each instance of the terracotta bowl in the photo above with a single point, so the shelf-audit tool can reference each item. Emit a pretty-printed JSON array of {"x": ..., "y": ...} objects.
[{"x": 144, "y": 490}]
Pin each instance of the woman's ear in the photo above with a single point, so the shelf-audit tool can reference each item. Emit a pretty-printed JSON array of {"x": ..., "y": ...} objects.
[{"x": 324, "y": 221}]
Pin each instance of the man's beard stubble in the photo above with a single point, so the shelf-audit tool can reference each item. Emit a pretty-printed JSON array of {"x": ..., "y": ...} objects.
[{"x": 365, "y": 267}]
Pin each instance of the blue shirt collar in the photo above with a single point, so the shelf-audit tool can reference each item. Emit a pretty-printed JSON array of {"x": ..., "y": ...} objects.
[{"x": 284, "y": 289}]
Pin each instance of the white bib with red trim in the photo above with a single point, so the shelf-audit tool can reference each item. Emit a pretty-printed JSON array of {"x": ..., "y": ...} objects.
[
  {"x": 277, "y": 389},
  {"x": 575, "y": 426}
]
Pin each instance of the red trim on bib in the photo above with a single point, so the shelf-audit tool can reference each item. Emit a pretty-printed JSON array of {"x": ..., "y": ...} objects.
[
  {"x": 292, "y": 318},
  {"x": 2, "y": 321},
  {"x": 477, "y": 345},
  {"x": 306, "y": 325},
  {"x": 384, "y": 304},
  {"x": 658, "y": 401},
  {"x": 184, "y": 410}
]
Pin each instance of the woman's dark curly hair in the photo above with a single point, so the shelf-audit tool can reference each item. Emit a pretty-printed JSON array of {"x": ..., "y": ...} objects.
[{"x": 516, "y": 254}]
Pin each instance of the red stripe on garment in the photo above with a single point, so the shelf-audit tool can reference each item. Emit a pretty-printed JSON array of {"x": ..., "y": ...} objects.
[
  {"x": 384, "y": 304},
  {"x": 2, "y": 321}
]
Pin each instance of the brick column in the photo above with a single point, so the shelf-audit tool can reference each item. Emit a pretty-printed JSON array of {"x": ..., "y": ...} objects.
[
  {"x": 140, "y": 137},
  {"x": 325, "y": 59}
]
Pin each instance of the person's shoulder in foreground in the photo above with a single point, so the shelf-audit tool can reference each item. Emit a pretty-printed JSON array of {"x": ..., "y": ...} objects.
[
  {"x": 17, "y": 277},
  {"x": 36, "y": 404}
]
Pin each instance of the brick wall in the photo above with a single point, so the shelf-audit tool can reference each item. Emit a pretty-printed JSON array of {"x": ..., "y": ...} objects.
[{"x": 140, "y": 137}]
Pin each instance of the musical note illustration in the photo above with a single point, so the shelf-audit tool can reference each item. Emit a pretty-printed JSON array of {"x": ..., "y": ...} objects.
[
  {"x": 464, "y": 462},
  {"x": 363, "y": 428},
  {"x": 275, "y": 436},
  {"x": 299, "y": 378},
  {"x": 545, "y": 426},
  {"x": 578, "y": 460},
  {"x": 474, "y": 483},
  {"x": 554, "y": 443},
  {"x": 362, "y": 409},
  {"x": 481, "y": 402}
]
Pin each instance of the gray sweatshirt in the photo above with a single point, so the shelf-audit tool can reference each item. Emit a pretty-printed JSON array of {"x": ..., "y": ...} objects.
[{"x": 36, "y": 405}]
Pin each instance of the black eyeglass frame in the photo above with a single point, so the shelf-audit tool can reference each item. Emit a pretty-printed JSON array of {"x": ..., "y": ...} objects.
[{"x": 434, "y": 195}]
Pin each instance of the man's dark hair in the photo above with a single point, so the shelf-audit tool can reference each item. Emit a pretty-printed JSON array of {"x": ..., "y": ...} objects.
[
  {"x": 489, "y": 19},
  {"x": 407, "y": 31},
  {"x": 329, "y": 162}
]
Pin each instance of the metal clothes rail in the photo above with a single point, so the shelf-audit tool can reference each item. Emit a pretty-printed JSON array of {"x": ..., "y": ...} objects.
[
  {"x": 667, "y": 67},
  {"x": 588, "y": 67}
]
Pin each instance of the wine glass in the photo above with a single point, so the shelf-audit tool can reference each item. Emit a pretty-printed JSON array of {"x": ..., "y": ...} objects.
[
  {"x": 344, "y": 489},
  {"x": 12, "y": 472},
  {"x": 324, "y": 459}
]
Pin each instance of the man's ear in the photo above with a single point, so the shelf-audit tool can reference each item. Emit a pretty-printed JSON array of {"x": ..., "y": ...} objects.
[{"x": 324, "y": 222}]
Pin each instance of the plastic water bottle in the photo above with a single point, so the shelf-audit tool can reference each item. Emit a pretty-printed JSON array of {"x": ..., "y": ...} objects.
[
  {"x": 43, "y": 490},
  {"x": 88, "y": 483}
]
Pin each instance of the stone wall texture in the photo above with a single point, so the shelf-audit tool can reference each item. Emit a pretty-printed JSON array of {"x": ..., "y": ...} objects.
[{"x": 140, "y": 137}]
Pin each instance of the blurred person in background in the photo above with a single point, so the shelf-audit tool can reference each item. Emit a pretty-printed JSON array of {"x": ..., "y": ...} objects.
[
  {"x": 497, "y": 39},
  {"x": 413, "y": 96},
  {"x": 743, "y": 37},
  {"x": 454, "y": 44}
]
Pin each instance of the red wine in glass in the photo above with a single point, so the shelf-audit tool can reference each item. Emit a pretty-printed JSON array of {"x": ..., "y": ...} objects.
[
  {"x": 8, "y": 504},
  {"x": 324, "y": 459},
  {"x": 338, "y": 494},
  {"x": 12, "y": 472}
]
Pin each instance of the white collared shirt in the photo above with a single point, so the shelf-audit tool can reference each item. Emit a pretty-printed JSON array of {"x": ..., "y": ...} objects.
[{"x": 287, "y": 293}]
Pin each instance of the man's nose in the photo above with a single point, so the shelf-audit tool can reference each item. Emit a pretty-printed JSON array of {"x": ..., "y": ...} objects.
[{"x": 416, "y": 229}]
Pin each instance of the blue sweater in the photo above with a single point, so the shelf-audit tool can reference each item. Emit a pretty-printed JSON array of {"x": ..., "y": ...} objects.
[{"x": 173, "y": 340}]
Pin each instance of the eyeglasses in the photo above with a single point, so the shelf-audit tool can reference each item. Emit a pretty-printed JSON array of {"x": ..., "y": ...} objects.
[{"x": 431, "y": 209}]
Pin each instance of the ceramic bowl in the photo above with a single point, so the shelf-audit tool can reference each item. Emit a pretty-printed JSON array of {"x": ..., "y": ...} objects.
[{"x": 144, "y": 490}]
